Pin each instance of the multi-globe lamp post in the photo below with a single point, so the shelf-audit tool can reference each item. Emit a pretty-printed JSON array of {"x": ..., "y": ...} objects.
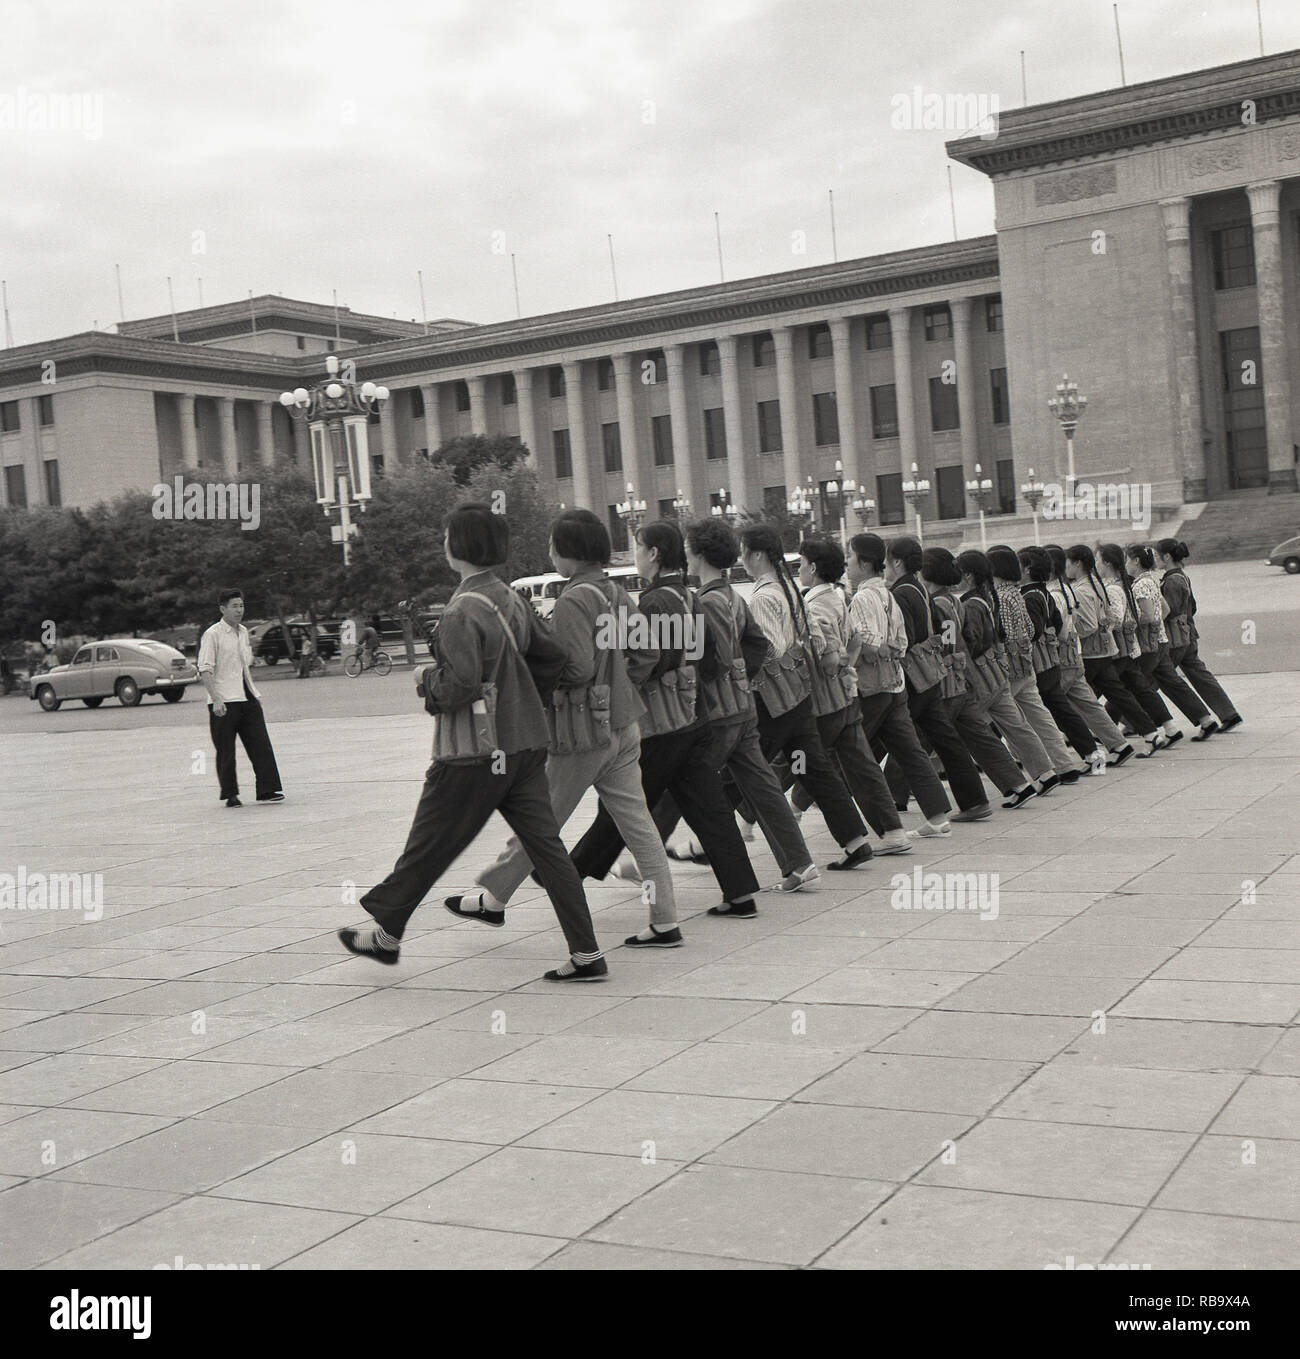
[
  {"x": 631, "y": 511},
  {"x": 1033, "y": 491},
  {"x": 916, "y": 491},
  {"x": 1068, "y": 407},
  {"x": 865, "y": 508},
  {"x": 800, "y": 506},
  {"x": 840, "y": 490},
  {"x": 337, "y": 413},
  {"x": 724, "y": 509},
  {"x": 980, "y": 490},
  {"x": 681, "y": 504}
]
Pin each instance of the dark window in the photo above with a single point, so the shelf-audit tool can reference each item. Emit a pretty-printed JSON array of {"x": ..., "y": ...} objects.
[
  {"x": 879, "y": 335},
  {"x": 1233, "y": 250},
  {"x": 769, "y": 426},
  {"x": 884, "y": 412},
  {"x": 1006, "y": 481},
  {"x": 613, "y": 446},
  {"x": 654, "y": 368},
  {"x": 617, "y": 530},
  {"x": 667, "y": 509},
  {"x": 775, "y": 503},
  {"x": 16, "y": 487},
  {"x": 45, "y": 405},
  {"x": 1001, "y": 397},
  {"x": 1243, "y": 408},
  {"x": 993, "y": 314},
  {"x": 826, "y": 419},
  {"x": 831, "y": 506},
  {"x": 462, "y": 396},
  {"x": 10, "y": 421},
  {"x": 950, "y": 482},
  {"x": 889, "y": 497},
  {"x": 377, "y": 466},
  {"x": 563, "y": 454},
  {"x": 661, "y": 433},
  {"x": 715, "y": 434},
  {"x": 556, "y": 379},
  {"x": 819, "y": 341},
  {"x": 508, "y": 393},
  {"x": 710, "y": 359},
  {"x": 938, "y": 322},
  {"x": 53, "y": 492},
  {"x": 605, "y": 375},
  {"x": 943, "y": 404},
  {"x": 764, "y": 350},
  {"x": 417, "y": 404},
  {"x": 302, "y": 341}
]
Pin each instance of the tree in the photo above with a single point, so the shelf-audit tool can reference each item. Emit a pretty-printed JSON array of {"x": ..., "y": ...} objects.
[
  {"x": 42, "y": 573},
  {"x": 513, "y": 491},
  {"x": 465, "y": 454}
]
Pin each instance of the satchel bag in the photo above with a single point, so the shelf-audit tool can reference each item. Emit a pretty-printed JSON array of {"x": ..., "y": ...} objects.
[
  {"x": 987, "y": 674},
  {"x": 727, "y": 695},
  {"x": 833, "y": 693},
  {"x": 467, "y": 734},
  {"x": 925, "y": 665},
  {"x": 954, "y": 681},
  {"x": 580, "y": 718},
  {"x": 784, "y": 682},
  {"x": 670, "y": 698}
]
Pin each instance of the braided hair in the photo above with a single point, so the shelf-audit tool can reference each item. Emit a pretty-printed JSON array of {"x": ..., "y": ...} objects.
[
  {"x": 1081, "y": 555},
  {"x": 766, "y": 541},
  {"x": 1113, "y": 555},
  {"x": 1056, "y": 555},
  {"x": 976, "y": 565}
]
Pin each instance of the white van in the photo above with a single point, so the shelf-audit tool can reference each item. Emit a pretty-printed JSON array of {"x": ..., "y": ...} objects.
[{"x": 542, "y": 591}]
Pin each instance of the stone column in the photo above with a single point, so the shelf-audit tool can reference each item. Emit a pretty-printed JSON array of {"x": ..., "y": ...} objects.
[
  {"x": 301, "y": 445},
  {"x": 226, "y": 427},
  {"x": 33, "y": 456},
  {"x": 739, "y": 491},
  {"x": 477, "y": 404},
  {"x": 431, "y": 391},
  {"x": 527, "y": 413},
  {"x": 783, "y": 342},
  {"x": 265, "y": 435},
  {"x": 689, "y": 474},
  {"x": 846, "y": 401},
  {"x": 900, "y": 329},
  {"x": 636, "y": 458},
  {"x": 189, "y": 432},
  {"x": 1264, "y": 218},
  {"x": 1177, "y": 213},
  {"x": 963, "y": 309},
  {"x": 584, "y": 483}
]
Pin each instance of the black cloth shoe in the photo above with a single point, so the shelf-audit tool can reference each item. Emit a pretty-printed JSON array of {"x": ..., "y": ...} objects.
[
  {"x": 1233, "y": 721},
  {"x": 1125, "y": 752},
  {"x": 272, "y": 797},
  {"x": 348, "y": 938},
  {"x": 582, "y": 972},
  {"x": 661, "y": 939},
  {"x": 1019, "y": 797},
  {"x": 980, "y": 812},
  {"x": 1206, "y": 732},
  {"x": 1046, "y": 785},
  {"x": 855, "y": 859},
  {"x": 742, "y": 910},
  {"x": 1175, "y": 738},
  {"x": 233, "y": 802},
  {"x": 494, "y": 918},
  {"x": 1072, "y": 776}
]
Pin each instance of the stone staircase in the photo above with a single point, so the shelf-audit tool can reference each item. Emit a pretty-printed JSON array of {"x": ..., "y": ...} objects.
[{"x": 1242, "y": 526}]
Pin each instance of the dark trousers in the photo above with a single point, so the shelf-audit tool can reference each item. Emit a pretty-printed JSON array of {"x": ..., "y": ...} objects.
[
  {"x": 1066, "y": 716},
  {"x": 931, "y": 717},
  {"x": 794, "y": 734},
  {"x": 246, "y": 720},
  {"x": 887, "y": 724},
  {"x": 1136, "y": 682},
  {"x": 843, "y": 741},
  {"x": 1176, "y": 689},
  {"x": 971, "y": 723},
  {"x": 679, "y": 763},
  {"x": 1188, "y": 660},
  {"x": 1105, "y": 682},
  {"x": 454, "y": 806}
]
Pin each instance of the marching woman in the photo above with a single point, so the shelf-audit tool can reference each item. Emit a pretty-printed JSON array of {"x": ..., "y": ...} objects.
[
  {"x": 1153, "y": 637},
  {"x": 785, "y": 715},
  {"x": 480, "y": 672},
  {"x": 1095, "y": 620},
  {"x": 834, "y": 679},
  {"x": 596, "y": 741},
  {"x": 675, "y": 738},
  {"x": 1115, "y": 577},
  {"x": 1183, "y": 640},
  {"x": 1074, "y": 683},
  {"x": 961, "y": 694}
]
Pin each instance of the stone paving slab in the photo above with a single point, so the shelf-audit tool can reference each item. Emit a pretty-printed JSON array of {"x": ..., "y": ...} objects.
[{"x": 1108, "y": 1068}]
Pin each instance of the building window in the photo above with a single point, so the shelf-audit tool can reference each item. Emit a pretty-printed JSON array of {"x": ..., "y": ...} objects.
[
  {"x": 10, "y": 421},
  {"x": 832, "y": 506},
  {"x": 943, "y": 405},
  {"x": 377, "y": 466},
  {"x": 775, "y": 503},
  {"x": 417, "y": 404},
  {"x": 16, "y": 488},
  {"x": 53, "y": 491},
  {"x": 556, "y": 380},
  {"x": 884, "y": 412},
  {"x": 605, "y": 375},
  {"x": 710, "y": 359},
  {"x": 819, "y": 341},
  {"x": 889, "y": 497},
  {"x": 879, "y": 335},
  {"x": 462, "y": 396},
  {"x": 654, "y": 368},
  {"x": 563, "y": 454},
  {"x": 950, "y": 483},
  {"x": 45, "y": 405},
  {"x": 613, "y": 446},
  {"x": 826, "y": 419},
  {"x": 769, "y": 426},
  {"x": 1006, "y": 479},
  {"x": 508, "y": 394},
  {"x": 993, "y": 315},
  {"x": 302, "y": 341},
  {"x": 617, "y": 530},
  {"x": 938, "y": 322},
  {"x": 661, "y": 433},
  {"x": 1245, "y": 437},
  {"x": 764, "y": 350},
  {"x": 1233, "y": 251},
  {"x": 1001, "y": 397},
  {"x": 715, "y": 434}
]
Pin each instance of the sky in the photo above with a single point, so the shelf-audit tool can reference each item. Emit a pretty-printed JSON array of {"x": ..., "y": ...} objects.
[{"x": 277, "y": 146}]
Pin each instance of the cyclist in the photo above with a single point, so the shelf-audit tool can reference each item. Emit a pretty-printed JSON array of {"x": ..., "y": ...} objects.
[
  {"x": 367, "y": 646},
  {"x": 305, "y": 655}
]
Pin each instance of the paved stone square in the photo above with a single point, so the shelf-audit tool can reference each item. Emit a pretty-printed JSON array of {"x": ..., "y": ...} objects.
[{"x": 1107, "y": 1071}]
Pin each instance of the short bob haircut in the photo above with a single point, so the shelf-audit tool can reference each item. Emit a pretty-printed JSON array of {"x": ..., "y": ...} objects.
[
  {"x": 939, "y": 567},
  {"x": 225, "y": 596},
  {"x": 1037, "y": 564},
  {"x": 1004, "y": 563},
  {"x": 825, "y": 557},
  {"x": 714, "y": 541},
  {"x": 580, "y": 536},
  {"x": 869, "y": 548},
  {"x": 906, "y": 551},
  {"x": 667, "y": 538},
  {"x": 477, "y": 536}
]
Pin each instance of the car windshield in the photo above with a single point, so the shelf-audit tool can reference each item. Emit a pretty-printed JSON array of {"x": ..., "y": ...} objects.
[{"x": 83, "y": 656}]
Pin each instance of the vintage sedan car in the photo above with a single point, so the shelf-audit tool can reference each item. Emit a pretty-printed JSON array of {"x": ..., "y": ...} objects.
[
  {"x": 125, "y": 668},
  {"x": 1287, "y": 556}
]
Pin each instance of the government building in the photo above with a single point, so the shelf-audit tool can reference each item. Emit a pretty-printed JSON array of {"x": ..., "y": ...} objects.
[{"x": 1146, "y": 245}]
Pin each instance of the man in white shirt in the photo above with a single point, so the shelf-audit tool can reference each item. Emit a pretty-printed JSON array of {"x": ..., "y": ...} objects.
[{"x": 235, "y": 708}]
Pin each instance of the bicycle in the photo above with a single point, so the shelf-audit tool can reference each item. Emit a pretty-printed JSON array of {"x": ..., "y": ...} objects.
[
  {"x": 382, "y": 664},
  {"x": 315, "y": 666}
]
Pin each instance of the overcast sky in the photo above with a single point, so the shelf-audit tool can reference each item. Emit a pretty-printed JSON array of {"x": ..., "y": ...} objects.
[{"x": 291, "y": 147}]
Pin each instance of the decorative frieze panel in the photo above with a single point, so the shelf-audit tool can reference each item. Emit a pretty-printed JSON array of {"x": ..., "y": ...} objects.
[
  {"x": 1214, "y": 160},
  {"x": 1093, "y": 181}
]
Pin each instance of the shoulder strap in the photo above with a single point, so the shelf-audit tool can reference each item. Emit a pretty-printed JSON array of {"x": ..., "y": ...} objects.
[
  {"x": 925, "y": 599},
  {"x": 605, "y": 661},
  {"x": 509, "y": 631}
]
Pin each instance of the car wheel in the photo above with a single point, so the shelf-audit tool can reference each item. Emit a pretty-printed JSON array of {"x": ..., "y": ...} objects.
[
  {"x": 128, "y": 692},
  {"x": 92, "y": 702},
  {"x": 1292, "y": 566},
  {"x": 173, "y": 695},
  {"x": 48, "y": 699},
  {"x": 270, "y": 657}
]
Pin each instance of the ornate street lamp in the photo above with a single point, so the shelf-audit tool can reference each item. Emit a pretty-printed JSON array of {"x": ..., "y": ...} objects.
[
  {"x": 981, "y": 492},
  {"x": 336, "y": 411},
  {"x": 840, "y": 489},
  {"x": 681, "y": 504},
  {"x": 800, "y": 506},
  {"x": 865, "y": 509},
  {"x": 631, "y": 511},
  {"x": 1033, "y": 491},
  {"x": 724, "y": 508},
  {"x": 916, "y": 492},
  {"x": 1068, "y": 406}
]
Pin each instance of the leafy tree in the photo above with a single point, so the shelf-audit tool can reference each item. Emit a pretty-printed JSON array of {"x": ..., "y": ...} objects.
[
  {"x": 465, "y": 454},
  {"x": 512, "y": 490}
]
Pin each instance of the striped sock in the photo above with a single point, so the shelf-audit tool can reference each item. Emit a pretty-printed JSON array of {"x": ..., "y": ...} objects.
[{"x": 578, "y": 960}]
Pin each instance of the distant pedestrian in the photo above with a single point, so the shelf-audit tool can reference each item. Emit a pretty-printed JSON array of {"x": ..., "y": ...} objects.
[{"x": 235, "y": 707}]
